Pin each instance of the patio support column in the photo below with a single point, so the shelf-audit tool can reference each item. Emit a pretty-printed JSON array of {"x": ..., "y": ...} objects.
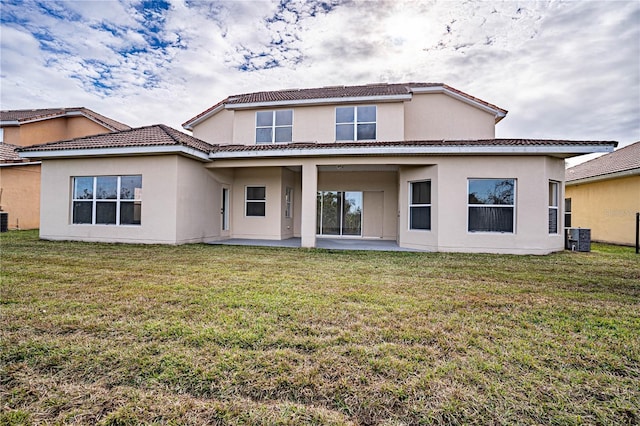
[{"x": 309, "y": 200}]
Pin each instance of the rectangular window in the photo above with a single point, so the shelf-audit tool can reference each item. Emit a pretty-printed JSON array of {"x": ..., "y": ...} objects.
[
  {"x": 356, "y": 123},
  {"x": 288, "y": 202},
  {"x": 567, "y": 212},
  {"x": 554, "y": 188},
  {"x": 274, "y": 126},
  {"x": 255, "y": 200},
  {"x": 491, "y": 205},
  {"x": 107, "y": 200},
  {"x": 420, "y": 205}
]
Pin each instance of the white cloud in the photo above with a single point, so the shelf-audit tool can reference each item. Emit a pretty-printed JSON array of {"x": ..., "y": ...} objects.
[{"x": 563, "y": 69}]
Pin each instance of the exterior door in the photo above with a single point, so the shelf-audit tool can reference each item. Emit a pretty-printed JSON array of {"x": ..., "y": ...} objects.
[{"x": 224, "y": 212}]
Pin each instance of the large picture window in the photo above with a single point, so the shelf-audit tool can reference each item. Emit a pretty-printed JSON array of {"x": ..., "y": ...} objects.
[
  {"x": 107, "y": 200},
  {"x": 554, "y": 190},
  {"x": 491, "y": 205},
  {"x": 356, "y": 123},
  {"x": 256, "y": 200},
  {"x": 420, "y": 205},
  {"x": 274, "y": 126}
]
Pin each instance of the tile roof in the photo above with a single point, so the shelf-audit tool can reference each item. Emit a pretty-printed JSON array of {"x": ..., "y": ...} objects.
[
  {"x": 155, "y": 135},
  {"x": 24, "y": 115},
  {"x": 8, "y": 154},
  {"x": 623, "y": 159},
  {"x": 378, "y": 89},
  {"x": 416, "y": 143}
]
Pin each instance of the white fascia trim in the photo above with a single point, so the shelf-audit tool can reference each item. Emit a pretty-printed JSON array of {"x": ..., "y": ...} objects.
[
  {"x": 189, "y": 125},
  {"x": 441, "y": 89},
  {"x": 624, "y": 173},
  {"x": 7, "y": 123},
  {"x": 412, "y": 150},
  {"x": 134, "y": 150},
  {"x": 26, "y": 163},
  {"x": 322, "y": 101}
]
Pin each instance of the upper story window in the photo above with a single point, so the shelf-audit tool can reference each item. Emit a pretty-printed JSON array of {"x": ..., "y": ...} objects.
[
  {"x": 274, "y": 126},
  {"x": 356, "y": 123},
  {"x": 107, "y": 200},
  {"x": 492, "y": 205}
]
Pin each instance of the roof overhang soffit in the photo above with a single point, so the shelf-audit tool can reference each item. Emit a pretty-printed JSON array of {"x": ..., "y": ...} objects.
[
  {"x": 553, "y": 150},
  {"x": 119, "y": 152}
]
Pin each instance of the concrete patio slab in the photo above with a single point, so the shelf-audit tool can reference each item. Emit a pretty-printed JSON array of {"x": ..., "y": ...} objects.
[{"x": 321, "y": 243}]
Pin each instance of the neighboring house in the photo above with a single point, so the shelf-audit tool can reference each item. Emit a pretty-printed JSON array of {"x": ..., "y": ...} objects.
[
  {"x": 603, "y": 194},
  {"x": 20, "y": 178},
  {"x": 415, "y": 163}
]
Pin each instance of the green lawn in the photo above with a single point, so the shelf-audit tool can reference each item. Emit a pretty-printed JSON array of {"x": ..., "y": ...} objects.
[{"x": 196, "y": 334}]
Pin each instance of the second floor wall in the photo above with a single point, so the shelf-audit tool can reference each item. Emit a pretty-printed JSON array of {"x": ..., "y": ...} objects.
[
  {"x": 426, "y": 116},
  {"x": 55, "y": 129}
]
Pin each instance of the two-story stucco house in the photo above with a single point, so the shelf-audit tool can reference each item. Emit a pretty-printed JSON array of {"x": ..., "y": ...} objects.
[
  {"x": 414, "y": 163},
  {"x": 20, "y": 178}
]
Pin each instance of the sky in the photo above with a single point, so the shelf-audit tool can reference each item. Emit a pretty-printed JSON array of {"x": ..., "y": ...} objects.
[{"x": 563, "y": 69}]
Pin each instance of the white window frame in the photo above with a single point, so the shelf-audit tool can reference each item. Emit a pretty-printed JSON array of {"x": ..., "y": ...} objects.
[
  {"x": 1, "y": 135},
  {"x": 513, "y": 206},
  {"x": 273, "y": 126},
  {"x": 567, "y": 213},
  {"x": 556, "y": 208},
  {"x": 247, "y": 200},
  {"x": 355, "y": 122},
  {"x": 412, "y": 205},
  {"x": 288, "y": 202},
  {"x": 94, "y": 200}
]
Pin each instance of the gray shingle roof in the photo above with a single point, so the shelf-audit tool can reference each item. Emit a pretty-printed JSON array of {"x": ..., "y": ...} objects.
[
  {"x": 155, "y": 135},
  {"x": 379, "y": 89},
  {"x": 23, "y": 115},
  {"x": 623, "y": 159}
]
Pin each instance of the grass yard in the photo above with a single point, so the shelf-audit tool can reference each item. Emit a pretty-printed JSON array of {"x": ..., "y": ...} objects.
[{"x": 196, "y": 334}]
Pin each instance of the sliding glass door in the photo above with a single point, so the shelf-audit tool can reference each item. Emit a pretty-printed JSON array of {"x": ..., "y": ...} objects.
[{"x": 339, "y": 213}]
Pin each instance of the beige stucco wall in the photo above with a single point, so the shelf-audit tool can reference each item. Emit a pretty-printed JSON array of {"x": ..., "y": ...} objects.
[
  {"x": 11, "y": 135},
  {"x": 198, "y": 203},
  {"x": 607, "y": 207},
  {"x": 55, "y": 129},
  {"x": 311, "y": 124},
  {"x": 420, "y": 239},
  {"x": 439, "y": 116},
  {"x": 449, "y": 175},
  {"x": 78, "y": 127},
  {"x": 20, "y": 186},
  {"x": 449, "y": 200},
  {"x": 162, "y": 178},
  {"x": 217, "y": 128},
  {"x": 258, "y": 227},
  {"x": 426, "y": 116}
]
